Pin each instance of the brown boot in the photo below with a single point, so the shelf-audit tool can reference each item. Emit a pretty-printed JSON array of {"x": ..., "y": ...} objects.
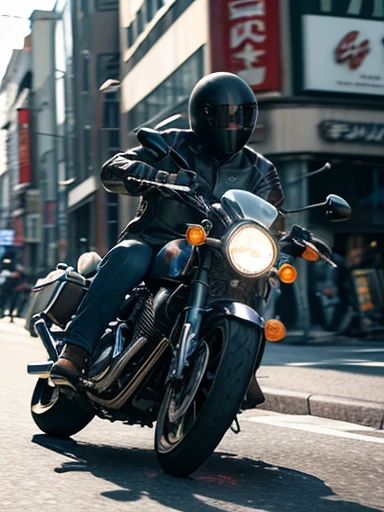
[{"x": 67, "y": 369}]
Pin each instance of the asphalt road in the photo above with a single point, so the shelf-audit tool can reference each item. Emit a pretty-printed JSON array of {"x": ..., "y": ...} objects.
[{"x": 278, "y": 462}]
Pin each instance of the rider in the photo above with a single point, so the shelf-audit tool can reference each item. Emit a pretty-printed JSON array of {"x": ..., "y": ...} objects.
[{"x": 223, "y": 113}]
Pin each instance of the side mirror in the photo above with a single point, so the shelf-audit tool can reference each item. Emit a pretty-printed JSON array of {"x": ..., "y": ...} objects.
[
  {"x": 336, "y": 208},
  {"x": 153, "y": 140}
]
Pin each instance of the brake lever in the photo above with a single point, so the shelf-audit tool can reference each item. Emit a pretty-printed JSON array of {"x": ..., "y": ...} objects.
[{"x": 322, "y": 256}]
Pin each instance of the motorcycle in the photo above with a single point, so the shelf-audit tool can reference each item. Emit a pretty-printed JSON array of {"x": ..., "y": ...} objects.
[{"x": 186, "y": 344}]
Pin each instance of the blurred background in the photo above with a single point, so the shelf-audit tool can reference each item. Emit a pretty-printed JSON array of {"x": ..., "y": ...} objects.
[{"x": 90, "y": 72}]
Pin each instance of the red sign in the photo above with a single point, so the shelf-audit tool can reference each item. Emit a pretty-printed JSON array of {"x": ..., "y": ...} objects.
[
  {"x": 244, "y": 38},
  {"x": 351, "y": 51},
  {"x": 24, "y": 146},
  {"x": 50, "y": 213},
  {"x": 18, "y": 226}
]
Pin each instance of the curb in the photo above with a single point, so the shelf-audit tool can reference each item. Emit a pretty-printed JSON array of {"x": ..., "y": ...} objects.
[{"x": 361, "y": 412}]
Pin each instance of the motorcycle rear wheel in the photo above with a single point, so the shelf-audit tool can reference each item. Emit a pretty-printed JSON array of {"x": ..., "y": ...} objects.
[
  {"x": 184, "y": 441},
  {"x": 56, "y": 414}
]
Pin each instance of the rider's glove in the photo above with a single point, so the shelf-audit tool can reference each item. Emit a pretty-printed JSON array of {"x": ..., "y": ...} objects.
[
  {"x": 143, "y": 171},
  {"x": 184, "y": 177}
]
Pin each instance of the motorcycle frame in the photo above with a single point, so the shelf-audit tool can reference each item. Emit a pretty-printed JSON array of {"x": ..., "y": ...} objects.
[{"x": 197, "y": 307}]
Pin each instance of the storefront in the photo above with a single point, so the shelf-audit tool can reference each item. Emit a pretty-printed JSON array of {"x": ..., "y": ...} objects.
[
  {"x": 320, "y": 98},
  {"x": 335, "y": 114}
]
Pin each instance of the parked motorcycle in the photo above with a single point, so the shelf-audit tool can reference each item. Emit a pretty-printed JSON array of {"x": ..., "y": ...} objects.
[{"x": 185, "y": 346}]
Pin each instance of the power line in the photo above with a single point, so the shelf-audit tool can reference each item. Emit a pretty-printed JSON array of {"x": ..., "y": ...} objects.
[{"x": 13, "y": 16}]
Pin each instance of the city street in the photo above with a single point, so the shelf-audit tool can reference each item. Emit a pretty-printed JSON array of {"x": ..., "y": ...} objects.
[
  {"x": 227, "y": 154},
  {"x": 277, "y": 463}
]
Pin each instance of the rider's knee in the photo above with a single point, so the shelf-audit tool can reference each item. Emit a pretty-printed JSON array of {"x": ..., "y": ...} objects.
[{"x": 131, "y": 252}]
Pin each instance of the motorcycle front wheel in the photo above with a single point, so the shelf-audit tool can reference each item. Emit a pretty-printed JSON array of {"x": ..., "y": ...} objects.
[
  {"x": 56, "y": 414},
  {"x": 198, "y": 410}
]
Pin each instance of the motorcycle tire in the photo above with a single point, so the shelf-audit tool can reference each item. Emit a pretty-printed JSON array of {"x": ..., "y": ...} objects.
[
  {"x": 233, "y": 348},
  {"x": 56, "y": 414}
]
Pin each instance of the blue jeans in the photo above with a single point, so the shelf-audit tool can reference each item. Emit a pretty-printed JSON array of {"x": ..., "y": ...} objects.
[{"x": 123, "y": 268}]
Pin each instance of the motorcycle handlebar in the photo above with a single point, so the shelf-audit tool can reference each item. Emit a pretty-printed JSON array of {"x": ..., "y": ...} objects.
[{"x": 158, "y": 184}]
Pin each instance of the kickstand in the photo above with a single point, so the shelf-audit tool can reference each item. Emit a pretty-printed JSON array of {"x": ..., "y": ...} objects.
[{"x": 235, "y": 427}]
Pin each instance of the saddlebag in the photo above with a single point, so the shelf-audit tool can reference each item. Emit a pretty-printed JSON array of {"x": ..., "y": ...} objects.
[{"x": 57, "y": 296}]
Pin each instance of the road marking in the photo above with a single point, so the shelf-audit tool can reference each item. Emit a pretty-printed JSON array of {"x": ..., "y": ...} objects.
[
  {"x": 340, "y": 362},
  {"x": 218, "y": 504},
  {"x": 322, "y": 426},
  {"x": 373, "y": 350}
]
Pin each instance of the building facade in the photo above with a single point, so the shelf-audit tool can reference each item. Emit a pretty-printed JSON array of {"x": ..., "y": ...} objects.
[
  {"x": 92, "y": 215},
  {"x": 321, "y": 98},
  {"x": 15, "y": 167},
  {"x": 45, "y": 138}
]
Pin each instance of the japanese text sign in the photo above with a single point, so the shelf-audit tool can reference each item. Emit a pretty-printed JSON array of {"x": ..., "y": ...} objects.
[
  {"x": 244, "y": 40},
  {"x": 346, "y": 131}
]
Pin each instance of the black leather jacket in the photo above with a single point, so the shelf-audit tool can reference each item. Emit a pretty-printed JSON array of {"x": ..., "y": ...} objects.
[{"x": 161, "y": 218}]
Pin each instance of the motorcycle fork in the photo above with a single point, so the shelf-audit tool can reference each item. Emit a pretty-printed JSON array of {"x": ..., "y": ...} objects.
[{"x": 189, "y": 336}]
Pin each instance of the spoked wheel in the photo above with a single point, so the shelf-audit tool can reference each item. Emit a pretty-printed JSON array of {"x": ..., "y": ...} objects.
[
  {"x": 198, "y": 410},
  {"x": 56, "y": 414}
]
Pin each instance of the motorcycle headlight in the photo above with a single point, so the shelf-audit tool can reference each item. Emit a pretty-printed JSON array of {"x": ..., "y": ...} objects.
[{"x": 251, "y": 251}]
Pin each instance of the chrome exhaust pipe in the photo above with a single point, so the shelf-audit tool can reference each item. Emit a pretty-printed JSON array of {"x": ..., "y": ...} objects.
[
  {"x": 40, "y": 369},
  {"x": 46, "y": 337}
]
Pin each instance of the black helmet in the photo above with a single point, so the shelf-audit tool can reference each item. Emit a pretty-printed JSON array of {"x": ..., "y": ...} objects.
[{"x": 222, "y": 113}]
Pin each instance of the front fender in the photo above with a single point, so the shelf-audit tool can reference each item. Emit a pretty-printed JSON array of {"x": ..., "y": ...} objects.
[
  {"x": 238, "y": 310},
  {"x": 245, "y": 314}
]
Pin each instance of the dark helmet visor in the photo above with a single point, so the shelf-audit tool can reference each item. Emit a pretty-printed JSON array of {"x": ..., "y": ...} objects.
[{"x": 231, "y": 117}]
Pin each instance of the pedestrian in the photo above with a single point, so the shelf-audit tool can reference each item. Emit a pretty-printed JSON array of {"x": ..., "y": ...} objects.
[{"x": 5, "y": 273}]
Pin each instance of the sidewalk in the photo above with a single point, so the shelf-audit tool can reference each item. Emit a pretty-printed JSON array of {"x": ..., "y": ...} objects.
[{"x": 337, "y": 378}]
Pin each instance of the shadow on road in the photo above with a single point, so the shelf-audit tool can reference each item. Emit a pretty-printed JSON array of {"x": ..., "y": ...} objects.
[{"x": 224, "y": 483}]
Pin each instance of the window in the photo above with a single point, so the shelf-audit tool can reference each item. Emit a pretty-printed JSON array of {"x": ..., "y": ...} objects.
[
  {"x": 85, "y": 73},
  {"x": 87, "y": 151},
  {"x": 114, "y": 141},
  {"x": 172, "y": 91},
  {"x": 84, "y": 6},
  {"x": 107, "y": 5},
  {"x": 33, "y": 228},
  {"x": 143, "y": 16},
  {"x": 85, "y": 32},
  {"x": 107, "y": 67},
  {"x": 140, "y": 21},
  {"x": 111, "y": 111},
  {"x": 150, "y": 10},
  {"x": 130, "y": 38}
]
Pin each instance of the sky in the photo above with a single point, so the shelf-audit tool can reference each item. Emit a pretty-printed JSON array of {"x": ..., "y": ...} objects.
[{"x": 12, "y": 30}]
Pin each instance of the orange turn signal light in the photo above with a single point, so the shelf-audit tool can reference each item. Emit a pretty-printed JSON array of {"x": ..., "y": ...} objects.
[
  {"x": 196, "y": 235},
  {"x": 310, "y": 254},
  {"x": 274, "y": 330},
  {"x": 287, "y": 273}
]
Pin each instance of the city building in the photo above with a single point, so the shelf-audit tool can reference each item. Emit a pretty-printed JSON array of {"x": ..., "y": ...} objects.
[
  {"x": 45, "y": 140},
  {"x": 93, "y": 126},
  {"x": 15, "y": 168}
]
